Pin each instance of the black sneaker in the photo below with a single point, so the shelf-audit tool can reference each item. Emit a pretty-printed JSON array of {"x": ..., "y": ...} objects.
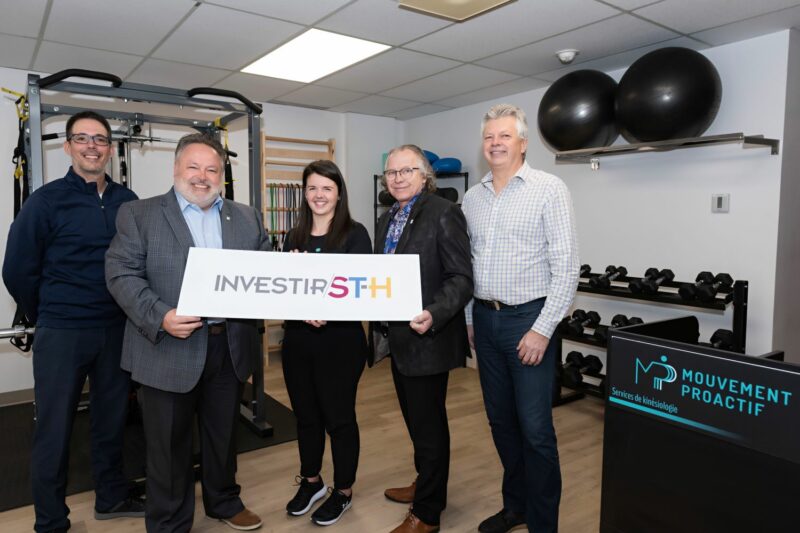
[
  {"x": 306, "y": 496},
  {"x": 503, "y": 521},
  {"x": 332, "y": 509},
  {"x": 128, "y": 508}
]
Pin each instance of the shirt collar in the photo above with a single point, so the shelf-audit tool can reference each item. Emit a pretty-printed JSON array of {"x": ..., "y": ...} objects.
[
  {"x": 183, "y": 203},
  {"x": 522, "y": 173},
  {"x": 396, "y": 207},
  {"x": 77, "y": 180}
]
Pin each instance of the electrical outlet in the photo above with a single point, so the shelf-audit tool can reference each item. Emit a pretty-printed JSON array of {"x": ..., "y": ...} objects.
[{"x": 720, "y": 203}]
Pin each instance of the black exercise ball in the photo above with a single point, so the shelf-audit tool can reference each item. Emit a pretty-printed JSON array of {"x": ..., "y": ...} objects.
[
  {"x": 577, "y": 111},
  {"x": 671, "y": 93}
]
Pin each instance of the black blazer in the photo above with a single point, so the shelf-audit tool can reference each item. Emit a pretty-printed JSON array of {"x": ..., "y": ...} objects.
[{"x": 436, "y": 230}]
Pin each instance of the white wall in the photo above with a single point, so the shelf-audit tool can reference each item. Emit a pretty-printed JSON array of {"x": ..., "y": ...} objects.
[
  {"x": 786, "y": 335},
  {"x": 654, "y": 209},
  {"x": 359, "y": 142}
]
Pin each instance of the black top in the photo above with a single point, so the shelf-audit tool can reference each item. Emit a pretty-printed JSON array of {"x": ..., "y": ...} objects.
[
  {"x": 55, "y": 256},
  {"x": 356, "y": 242}
]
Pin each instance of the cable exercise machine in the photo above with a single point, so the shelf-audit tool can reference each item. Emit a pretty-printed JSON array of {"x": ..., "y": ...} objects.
[{"x": 29, "y": 160}]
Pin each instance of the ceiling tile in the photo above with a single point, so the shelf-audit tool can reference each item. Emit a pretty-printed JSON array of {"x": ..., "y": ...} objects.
[
  {"x": 631, "y": 4},
  {"x": 22, "y": 17},
  {"x": 321, "y": 97},
  {"x": 54, "y": 57},
  {"x": 382, "y": 21},
  {"x": 258, "y": 88},
  {"x": 171, "y": 74},
  {"x": 621, "y": 60},
  {"x": 510, "y": 26},
  {"x": 300, "y": 11},
  {"x": 609, "y": 36},
  {"x": 230, "y": 39},
  {"x": 375, "y": 105},
  {"x": 387, "y": 70},
  {"x": 116, "y": 25},
  {"x": 494, "y": 92},
  {"x": 419, "y": 111},
  {"x": 738, "y": 31},
  {"x": 451, "y": 83},
  {"x": 689, "y": 16},
  {"x": 16, "y": 52}
]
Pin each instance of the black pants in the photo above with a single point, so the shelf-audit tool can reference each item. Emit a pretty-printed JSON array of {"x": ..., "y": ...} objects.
[
  {"x": 62, "y": 360},
  {"x": 322, "y": 367},
  {"x": 168, "y": 422},
  {"x": 422, "y": 401}
]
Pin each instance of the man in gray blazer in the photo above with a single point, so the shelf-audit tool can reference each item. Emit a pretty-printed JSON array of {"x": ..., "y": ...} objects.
[{"x": 186, "y": 365}]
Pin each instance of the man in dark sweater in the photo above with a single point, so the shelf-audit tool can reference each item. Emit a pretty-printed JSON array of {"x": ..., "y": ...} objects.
[{"x": 54, "y": 269}]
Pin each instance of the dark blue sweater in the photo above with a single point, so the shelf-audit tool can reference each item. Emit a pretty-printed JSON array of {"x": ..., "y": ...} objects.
[{"x": 55, "y": 255}]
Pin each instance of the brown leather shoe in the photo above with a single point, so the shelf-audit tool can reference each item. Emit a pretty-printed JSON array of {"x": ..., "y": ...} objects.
[
  {"x": 402, "y": 494},
  {"x": 412, "y": 524},
  {"x": 245, "y": 520}
]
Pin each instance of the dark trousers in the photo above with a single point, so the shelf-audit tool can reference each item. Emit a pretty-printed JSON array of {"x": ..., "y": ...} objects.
[
  {"x": 168, "y": 422},
  {"x": 62, "y": 360},
  {"x": 519, "y": 401},
  {"x": 322, "y": 368},
  {"x": 422, "y": 401}
]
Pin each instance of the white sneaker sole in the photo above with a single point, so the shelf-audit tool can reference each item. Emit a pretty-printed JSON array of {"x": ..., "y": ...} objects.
[
  {"x": 314, "y": 499},
  {"x": 329, "y": 522}
]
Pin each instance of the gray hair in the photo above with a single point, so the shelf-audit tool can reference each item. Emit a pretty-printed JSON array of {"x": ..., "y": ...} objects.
[
  {"x": 507, "y": 110},
  {"x": 424, "y": 165},
  {"x": 201, "y": 138}
]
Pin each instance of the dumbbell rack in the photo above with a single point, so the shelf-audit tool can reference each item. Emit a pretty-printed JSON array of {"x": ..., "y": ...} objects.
[{"x": 736, "y": 296}]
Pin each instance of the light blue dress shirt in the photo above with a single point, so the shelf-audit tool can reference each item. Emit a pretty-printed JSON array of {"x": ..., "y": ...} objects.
[{"x": 205, "y": 227}]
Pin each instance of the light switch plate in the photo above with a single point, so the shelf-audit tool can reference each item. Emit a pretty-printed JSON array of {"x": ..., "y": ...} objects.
[{"x": 720, "y": 203}]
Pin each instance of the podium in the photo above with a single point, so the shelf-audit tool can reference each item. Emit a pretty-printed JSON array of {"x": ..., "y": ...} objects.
[{"x": 697, "y": 439}]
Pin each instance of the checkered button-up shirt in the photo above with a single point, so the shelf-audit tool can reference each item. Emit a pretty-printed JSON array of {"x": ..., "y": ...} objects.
[{"x": 524, "y": 243}]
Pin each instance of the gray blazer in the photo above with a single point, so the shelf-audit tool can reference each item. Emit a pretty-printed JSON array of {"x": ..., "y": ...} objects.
[{"x": 144, "y": 271}]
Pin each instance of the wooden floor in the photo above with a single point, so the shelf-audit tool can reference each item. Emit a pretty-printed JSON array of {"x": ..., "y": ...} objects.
[{"x": 267, "y": 475}]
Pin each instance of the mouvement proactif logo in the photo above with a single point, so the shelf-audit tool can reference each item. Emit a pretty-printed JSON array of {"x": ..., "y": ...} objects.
[{"x": 659, "y": 371}]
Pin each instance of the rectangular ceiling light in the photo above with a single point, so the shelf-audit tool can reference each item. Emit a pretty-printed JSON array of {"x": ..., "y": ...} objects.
[
  {"x": 312, "y": 55},
  {"x": 458, "y": 10}
]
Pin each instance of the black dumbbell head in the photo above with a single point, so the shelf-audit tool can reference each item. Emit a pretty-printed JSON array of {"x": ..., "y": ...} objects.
[
  {"x": 618, "y": 321},
  {"x": 593, "y": 364},
  {"x": 622, "y": 271},
  {"x": 593, "y": 318},
  {"x": 667, "y": 274},
  {"x": 632, "y": 321},
  {"x": 706, "y": 277},
  {"x": 574, "y": 359},
  {"x": 723, "y": 339},
  {"x": 725, "y": 281}
]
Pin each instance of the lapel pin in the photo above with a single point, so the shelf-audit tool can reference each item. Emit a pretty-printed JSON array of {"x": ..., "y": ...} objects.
[{"x": 227, "y": 218}]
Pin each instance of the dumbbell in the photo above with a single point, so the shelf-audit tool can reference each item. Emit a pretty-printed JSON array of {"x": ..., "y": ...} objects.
[
  {"x": 585, "y": 271},
  {"x": 577, "y": 364},
  {"x": 707, "y": 293},
  {"x": 651, "y": 286},
  {"x": 636, "y": 286},
  {"x": 722, "y": 339},
  {"x": 581, "y": 319},
  {"x": 612, "y": 273},
  {"x": 688, "y": 291},
  {"x": 601, "y": 332}
]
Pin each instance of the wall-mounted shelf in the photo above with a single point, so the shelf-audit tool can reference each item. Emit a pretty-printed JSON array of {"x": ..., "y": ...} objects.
[{"x": 592, "y": 155}]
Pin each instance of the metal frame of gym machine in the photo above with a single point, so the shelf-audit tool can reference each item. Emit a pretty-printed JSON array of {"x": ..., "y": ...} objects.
[{"x": 254, "y": 413}]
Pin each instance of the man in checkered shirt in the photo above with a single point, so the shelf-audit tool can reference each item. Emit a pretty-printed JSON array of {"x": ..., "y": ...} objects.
[{"x": 525, "y": 263}]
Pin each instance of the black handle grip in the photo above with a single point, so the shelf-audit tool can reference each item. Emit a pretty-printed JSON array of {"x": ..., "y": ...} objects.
[
  {"x": 116, "y": 81},
  {"x": 224, "y": 92}
]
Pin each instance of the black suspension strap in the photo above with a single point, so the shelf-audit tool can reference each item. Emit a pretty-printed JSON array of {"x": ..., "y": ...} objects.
[{"x": 21, "y": 192}]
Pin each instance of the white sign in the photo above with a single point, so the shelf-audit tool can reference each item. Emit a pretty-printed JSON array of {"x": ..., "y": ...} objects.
[{"x": 291, "y": 286}]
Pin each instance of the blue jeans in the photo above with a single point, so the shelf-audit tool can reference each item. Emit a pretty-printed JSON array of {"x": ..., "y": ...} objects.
[{"x": 519, "y": 401}]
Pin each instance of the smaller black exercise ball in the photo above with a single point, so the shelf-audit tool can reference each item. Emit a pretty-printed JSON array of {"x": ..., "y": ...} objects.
[
  {"x": 577, "y": 111},
  {"x": 670, "y": 93}
]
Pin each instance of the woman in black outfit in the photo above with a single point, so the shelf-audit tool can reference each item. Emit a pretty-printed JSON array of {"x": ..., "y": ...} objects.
[{"x": 323, "y": 361}]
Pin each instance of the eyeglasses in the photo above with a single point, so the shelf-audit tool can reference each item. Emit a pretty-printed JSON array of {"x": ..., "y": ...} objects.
[
  {"x": 84, "y": 138},
  {"x": 404, "y": 172}
]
